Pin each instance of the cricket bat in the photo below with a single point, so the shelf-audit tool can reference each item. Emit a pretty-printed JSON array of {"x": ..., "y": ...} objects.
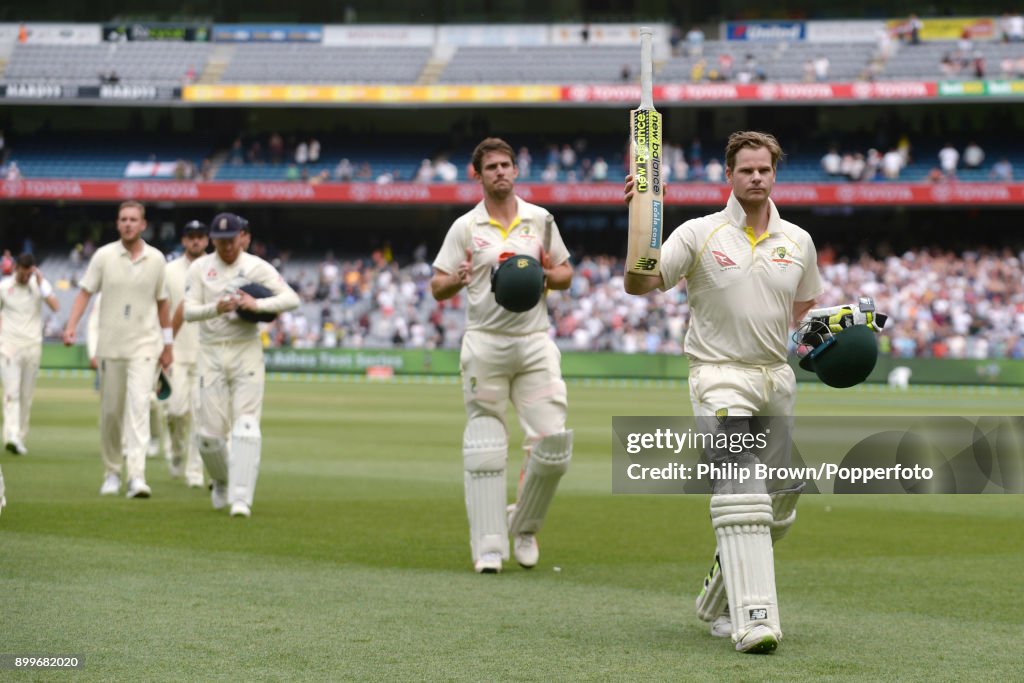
[{"x": 643, "y": 253}]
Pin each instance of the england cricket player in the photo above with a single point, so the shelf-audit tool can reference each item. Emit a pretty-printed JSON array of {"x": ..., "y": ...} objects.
[
  {"x": 134, "y": 337},
  {"x": 231, "y": 370},
  {"x": 184, "y": 377},
  {"x": 21, "y": 345},
  {"x": 749, "y": 276},
  {"x": 506, "y": 355}
]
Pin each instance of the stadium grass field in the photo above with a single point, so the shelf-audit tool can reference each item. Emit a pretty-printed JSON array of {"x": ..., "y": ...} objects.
[{"x": 355, "y": 565}]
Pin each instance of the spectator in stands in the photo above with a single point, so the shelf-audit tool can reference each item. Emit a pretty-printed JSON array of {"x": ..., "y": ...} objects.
[
  {"x": 873, "y": 164},
  {"x": 1012, "y": 26},
  {"x": 911, "y": 32},
  {"x": 275, "y": 148},
  {"x": 965, "y": 47},
  {"x": 445, "y": 170},
  {"x": 302, "y": 153},
  {"x": 524, "y": 161},
  {"x": 978, "y": 63},
  {"x": 892, "y": 164},
  {"x": 857, "y": 168},
  {"x": 675, "y": 40},
  {"x": 13, "y": 172},
  {"x": 599, "y": 173},
  {"x": 255, "y": 154},
  {"x": 714, "y": 171},
  {"x": 626, "y": 74},
  {"x": 385, "y": 178},
  {"x": 935, "y": 175},
  {"x": 725, "y": 66},
  {"x": 425, "y": 173},
  {"x": 822, "y": 65},
  {"x": 695, "y": 42},
  {"x": 236, "y": 156},
  {"x": 808, "y": 70},
  {"x": 314, "y": 151},
  {"x": 549, "y": 174},
  {"x": 567, "y": 158},
  {"x": 343, "y": 172},
  {"x": 949, "y": 65},
  {"x": 974, "y": 155},
  {"x": 292, "y": 172},
  {"x": 697, "y": 70},
  {"x": 949, "y": 159},
  {"x": 830, "y": 163},
  {"x": 1002, "y": 170},
  {"x": 680, "y": 169},
  {"x": 365, "y": 172}
]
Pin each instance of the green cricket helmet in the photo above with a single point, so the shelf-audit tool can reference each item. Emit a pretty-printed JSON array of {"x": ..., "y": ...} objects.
[
  {"x": 518, "y": 283},
  {"x": 844, "y": 358}
]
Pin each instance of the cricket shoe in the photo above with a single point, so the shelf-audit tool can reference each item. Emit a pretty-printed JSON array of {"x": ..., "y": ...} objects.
[
  {"x": 218, "y": 494},
  {"x": 153, "y": 449},
  {"x": 759, "y": 640},
  {"x": 17, "y": 447},
  {"x": 721, "y": 627},
  {"x": 138, "y": 488},
  {"x": 240, "y": 509},
  {"x": 111, "y": 485},
  {"x": 194, "y": 481},
  {"x": 174, "y": 467},
  {"x": 489, "y": 563},
  {"x": 526, "y": 550}
]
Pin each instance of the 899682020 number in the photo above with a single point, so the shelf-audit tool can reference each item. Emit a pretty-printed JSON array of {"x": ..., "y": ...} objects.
[{"x": 12, "y": 661}]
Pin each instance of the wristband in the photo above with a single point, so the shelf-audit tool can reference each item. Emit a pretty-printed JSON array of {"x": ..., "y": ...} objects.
[
  {"x": 168, "y": 335},
  {"x": 45, "y": 288}
]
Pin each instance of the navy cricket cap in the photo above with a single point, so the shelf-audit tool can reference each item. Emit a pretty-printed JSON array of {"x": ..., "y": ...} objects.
[
  {"x": 227, "y": 225},
  {"x": 195, "y": 226}
]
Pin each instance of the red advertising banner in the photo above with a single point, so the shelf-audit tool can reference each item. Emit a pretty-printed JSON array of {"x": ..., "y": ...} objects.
[{"x": 555, "y": 194}]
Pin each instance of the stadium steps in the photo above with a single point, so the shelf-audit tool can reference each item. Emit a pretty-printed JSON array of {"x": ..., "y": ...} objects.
[
  {"x": 216, "y": 161},
  {"x": 435, "y": 65},
  {"x": 218, "y": 63}
]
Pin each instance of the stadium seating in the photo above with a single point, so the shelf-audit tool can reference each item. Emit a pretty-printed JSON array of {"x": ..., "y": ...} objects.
[
  {"x": 539, "y": 64},
  {"x": 298, "y": 63},
  {"x": 156, "y": 63}
]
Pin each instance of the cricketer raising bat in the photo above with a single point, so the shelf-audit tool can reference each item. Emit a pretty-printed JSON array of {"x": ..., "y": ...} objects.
[{"x": 645, "y": 214}]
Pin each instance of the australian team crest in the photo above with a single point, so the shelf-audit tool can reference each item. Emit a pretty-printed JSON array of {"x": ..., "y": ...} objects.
[
  {"x": 780, "y": 252},
  {"x": 721, "y": 414}
]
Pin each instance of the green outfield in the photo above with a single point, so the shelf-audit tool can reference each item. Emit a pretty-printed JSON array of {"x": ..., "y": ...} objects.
[{"x": 355, "y": 564}]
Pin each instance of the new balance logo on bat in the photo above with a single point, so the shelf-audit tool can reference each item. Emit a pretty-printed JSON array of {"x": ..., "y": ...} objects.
[{"x": 644, "y": 263}]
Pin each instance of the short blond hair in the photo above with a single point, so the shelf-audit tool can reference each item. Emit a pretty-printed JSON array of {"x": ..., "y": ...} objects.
[
  {"x": 751, "y": 139},
  {"x": 132, "y": 204}
]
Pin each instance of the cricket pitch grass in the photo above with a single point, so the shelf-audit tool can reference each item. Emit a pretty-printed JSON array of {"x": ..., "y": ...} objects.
[{"x": 355, "y": 564}]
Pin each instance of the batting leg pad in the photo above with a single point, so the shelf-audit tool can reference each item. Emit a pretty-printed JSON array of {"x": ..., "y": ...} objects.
[
  {"x": 244, "y": 463},
  {"x": 484, "y": 459},
  {"x": 214, "y": 453},
  {"x": 713, "y": 599},
  {"x": 742, "y": 525},
  {"x": 549, "y": 460},
  {"x": 784, "y": 511}
]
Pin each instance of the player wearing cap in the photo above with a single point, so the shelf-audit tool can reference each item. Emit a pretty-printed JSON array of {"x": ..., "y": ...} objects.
[
  {"x": 134, "y": 336},
  {"x": 231, "y": 370},
  {"x": 21, "y": 345},
  {"x": 750, "y": 276},
  {"x": 185, "y": 376},
  {"x": 506, "y": 355}
]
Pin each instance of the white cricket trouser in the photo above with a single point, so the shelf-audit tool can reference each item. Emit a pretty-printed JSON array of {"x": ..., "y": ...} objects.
[
  {"x": 748, "y": 390},
  {"x": 19, "y": 368},
  {"x": 182, "y": 402},
  {"x": 525, "y": 368},
  {"x": 125, "y": 389},
  {"x": 231, "y": 378}
]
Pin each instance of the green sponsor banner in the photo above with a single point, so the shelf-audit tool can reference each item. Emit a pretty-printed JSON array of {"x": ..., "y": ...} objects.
[
  {"x": 980, "y": 88},
  {"x": 579, "y": 364}
]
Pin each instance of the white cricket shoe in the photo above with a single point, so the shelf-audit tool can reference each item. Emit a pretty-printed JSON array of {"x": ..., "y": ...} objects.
[
  {"x": 721, "y": 627},
  {"x": 138, "y": 488},
  {"x": 174, "y": 467},
  {"x": 240, "y": 509},
  {"x": 218, "y": 494},
  {"x": 17, "y": 447},
  {"x": 526, "y": 550},
  {"x": 489, "y": 563},
  {"x": 759, "y": 640},
  {"x": 153, "y": 449},
  {"x": 195, "y": 481},
  {"x": 111, "y": 485}
]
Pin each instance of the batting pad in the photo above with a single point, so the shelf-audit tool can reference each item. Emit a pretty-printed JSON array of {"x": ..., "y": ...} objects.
[
  {"x": 549, "y": 460},
  {"x": 784, "y": 511},
  {"x": 742, "y": 525},
  {"x": 713, "y": 600},
  {"x": 179, "y": 427},
  {"x": 215, "y": 455},
  {"x": 484, "y": 456},
  {"x": 244, "y": 463}
]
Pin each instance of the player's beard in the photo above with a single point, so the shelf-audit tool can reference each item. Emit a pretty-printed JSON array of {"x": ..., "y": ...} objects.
[{"x": 502, "y": 191}]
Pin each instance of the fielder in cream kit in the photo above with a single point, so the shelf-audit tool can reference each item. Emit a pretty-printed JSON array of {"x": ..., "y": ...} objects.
[
  {"x": 506, "y": 355},
  {"x": 231, "y": 370},
  {"x": 750, "y": 278},
  {"x": 184, "y": 376}
]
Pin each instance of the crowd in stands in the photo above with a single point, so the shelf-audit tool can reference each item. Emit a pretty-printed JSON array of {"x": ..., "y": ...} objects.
[
  {"x": 941, "y": 305},
  {"x": 874, "y": 165}
]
